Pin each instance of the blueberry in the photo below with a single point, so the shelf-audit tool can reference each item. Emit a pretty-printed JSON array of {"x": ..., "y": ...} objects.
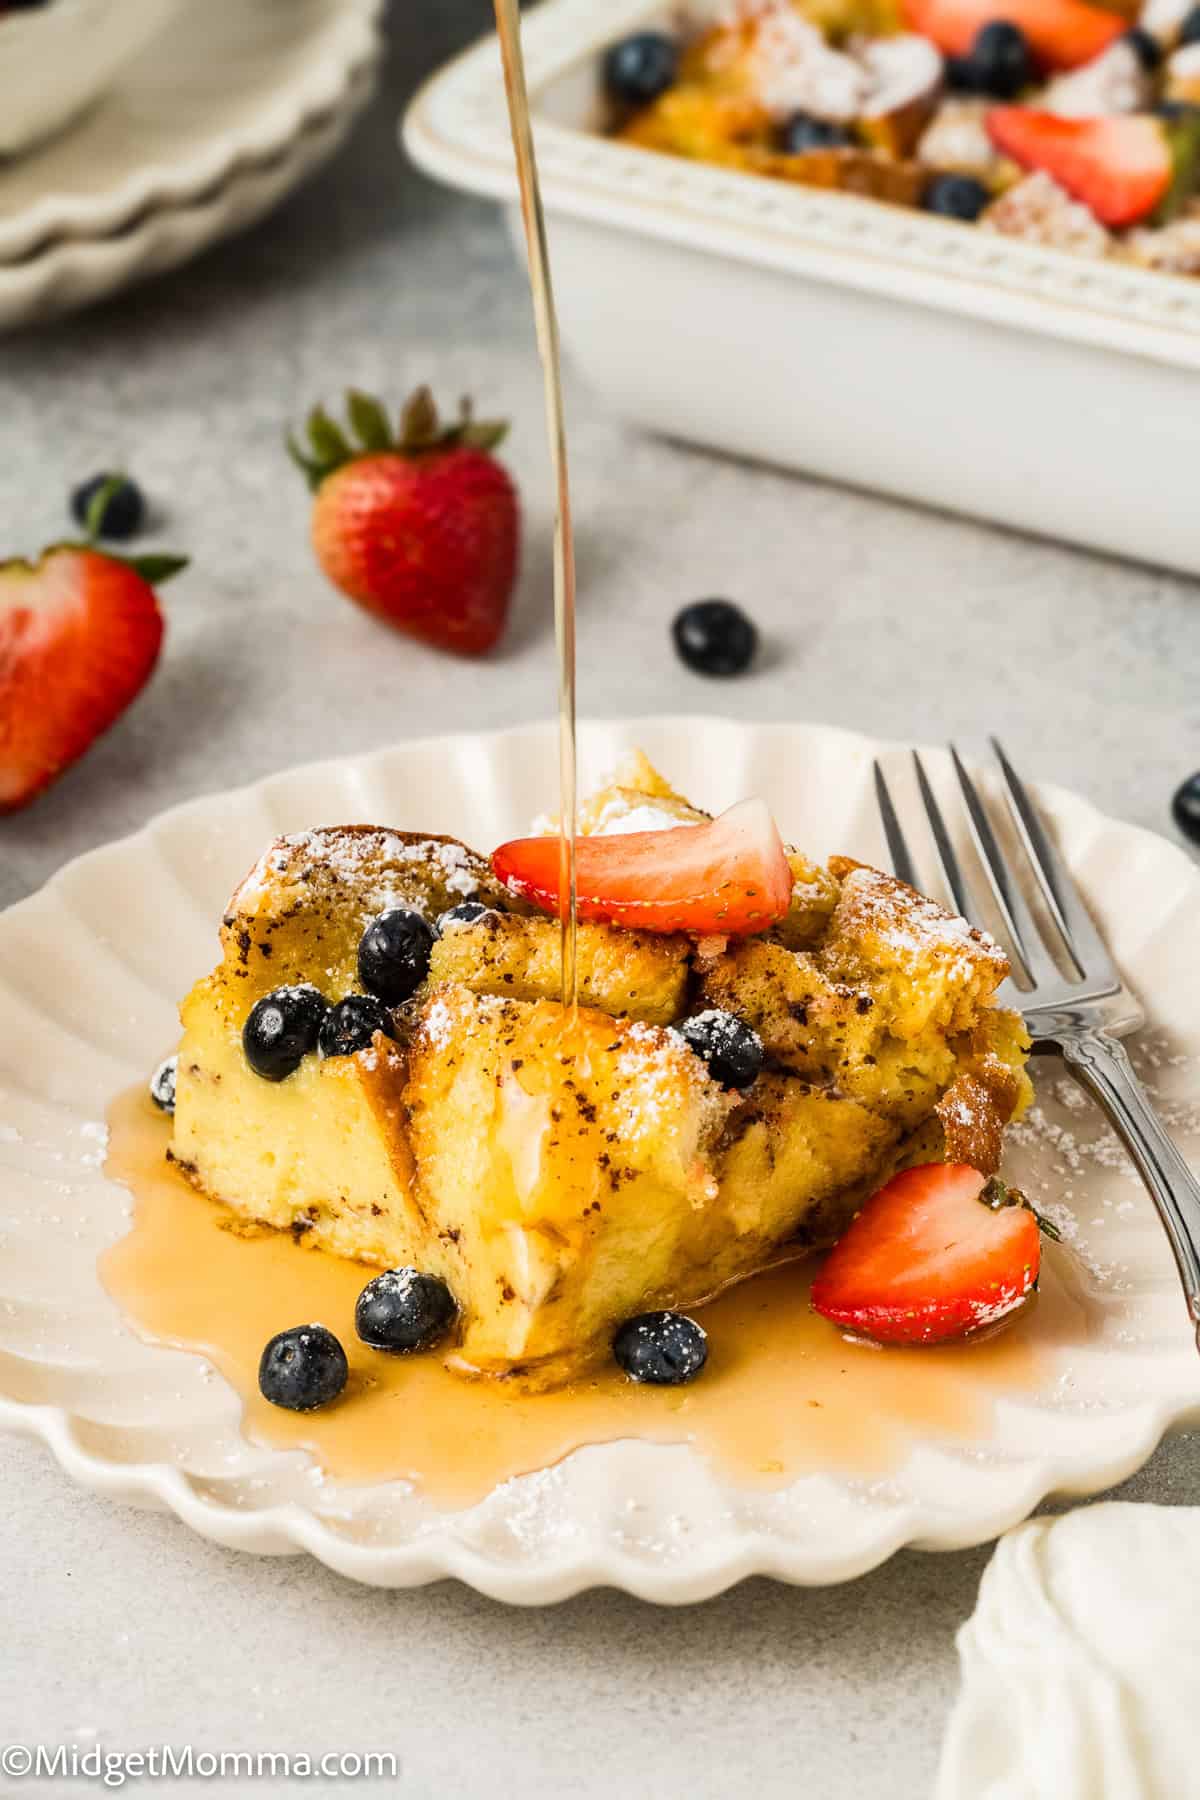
[
  {"x": 393, "y": 954},
  {"x": 956, "y": 197},
  {"x": 302, "y": 1368},
  {"x": 732, "y": 1049},
  {"x": 281, "y": 1030},
  {"x": 1145, "y": 47},
  {"x": 1185, "y": 808},
  {"x": 352, "y": 1023},
  {"x": 714, "y": 637},
  {"x": 664, "y": 1349},
  {"x": 640, "y": 68},
  {"x": 1189, "y": 31},
  {"x": 803, "y": 132},
  {"x": 465, "y": 913},
  {"x": 960, "y": 74},
  {"x": 162, "y": 1084},
  {"x": 121, "y": 511},
  {"x": 998, "y": 61},
  {"x": 403, "y": 1311}
]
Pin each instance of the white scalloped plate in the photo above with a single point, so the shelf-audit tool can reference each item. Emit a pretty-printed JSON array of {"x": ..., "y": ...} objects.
[
  {"x": 91, "y": 969},
  {"x": 77, "y": 271},
  {"x": 228, "y": 84}
]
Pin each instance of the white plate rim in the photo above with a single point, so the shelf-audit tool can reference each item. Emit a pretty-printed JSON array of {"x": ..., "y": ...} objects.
[
  {"x": 701, "y": 1571},
  {"x": 348, "y": 36}
]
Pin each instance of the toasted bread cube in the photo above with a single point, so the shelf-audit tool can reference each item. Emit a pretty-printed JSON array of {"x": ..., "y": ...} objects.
[
  {"x": 805, "y": 1022},
  {"x": 922, "y": 964},
  {"x": 300, "y": 912},
  {"x": 631, "y": 974},
  {"x": 814, "y": 896},
  {"x": 789, "y": 1139}
]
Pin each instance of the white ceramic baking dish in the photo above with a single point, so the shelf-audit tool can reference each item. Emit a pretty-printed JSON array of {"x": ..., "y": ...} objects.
[{"x": 833, "y": 334}]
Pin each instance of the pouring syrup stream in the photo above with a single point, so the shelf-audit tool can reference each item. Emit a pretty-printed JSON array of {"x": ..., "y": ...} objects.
[{"x": 508, "y": 22}]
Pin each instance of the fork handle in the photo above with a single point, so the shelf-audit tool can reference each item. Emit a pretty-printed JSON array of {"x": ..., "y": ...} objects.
[{"x": 1099, "y": 1063}]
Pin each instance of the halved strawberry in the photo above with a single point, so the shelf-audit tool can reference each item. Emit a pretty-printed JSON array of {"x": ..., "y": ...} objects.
[
  {"x": 937, "y": 1253},
  {"x": 728, "y": 877},
  {"x": 1122, "y": 167},
  {"x": 1062, "y": 34},
  {"x": 79, "y": 634}
]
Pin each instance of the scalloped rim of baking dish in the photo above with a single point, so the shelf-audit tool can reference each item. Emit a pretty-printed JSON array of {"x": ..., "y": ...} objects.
[{"x": 456, "y": 129}]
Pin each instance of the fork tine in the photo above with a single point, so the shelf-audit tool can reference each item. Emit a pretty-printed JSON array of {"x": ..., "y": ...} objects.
[
  {"x": 1088, "y": 950},
  {"x": 951, "y": 867},
  {"x": 1018, "y": 920},
  {"x": 902, "y": 863}
]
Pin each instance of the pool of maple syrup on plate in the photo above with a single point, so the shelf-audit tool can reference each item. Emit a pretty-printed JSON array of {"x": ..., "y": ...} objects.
[{"x": 784, "y": 1393}]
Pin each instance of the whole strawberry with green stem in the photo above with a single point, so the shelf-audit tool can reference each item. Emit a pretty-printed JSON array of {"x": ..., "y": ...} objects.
[{"x": 420, "y": 525}]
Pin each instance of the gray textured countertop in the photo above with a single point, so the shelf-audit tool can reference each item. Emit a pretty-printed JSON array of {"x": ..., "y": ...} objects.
[{"x": 122, "y": 1625}]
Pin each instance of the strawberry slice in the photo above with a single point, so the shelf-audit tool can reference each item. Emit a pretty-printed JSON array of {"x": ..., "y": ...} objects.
[
  {"x": 936, "y": 1254},
  {"x": 79, "y": 635},
  {"x": 1062, "y": 34},
  {"x": 1122, "y": 167},
  {"x": 729, "y": 877}
]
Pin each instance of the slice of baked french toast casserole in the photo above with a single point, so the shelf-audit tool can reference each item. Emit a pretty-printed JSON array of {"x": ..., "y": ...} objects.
[{"x": 720, "y": 1096}]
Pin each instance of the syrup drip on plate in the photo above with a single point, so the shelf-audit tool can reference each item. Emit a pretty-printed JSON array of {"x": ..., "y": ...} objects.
[
  {"x": 784, "y": 1395},
  {"x": 508, "y": 21}
]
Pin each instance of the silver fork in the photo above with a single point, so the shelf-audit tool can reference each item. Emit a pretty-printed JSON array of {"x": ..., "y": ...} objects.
[{"x": 1081, "y": 1015}]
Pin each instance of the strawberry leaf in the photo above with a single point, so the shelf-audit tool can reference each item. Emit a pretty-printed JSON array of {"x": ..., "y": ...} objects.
[
  {"x": 326, "y": 446},
  {"x": 368, "y": 421},
  {"x": 419, "y": 421},
  {"x": 155, "y": 568},
  {"x": 484, "y": 435},
  {"x": 328, "y": 440}
]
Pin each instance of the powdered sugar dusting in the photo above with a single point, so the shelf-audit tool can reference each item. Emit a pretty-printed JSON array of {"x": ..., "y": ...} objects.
[
  {"x": 795, "y": 70},
  {"x": 361, "y": 859},
  {"x": 1039, "y": 211},
  {"x": 1174, "y": 248},
  {"x": 1064, "y": 1154},
  {"x": 437, "y": 1023},
  {"x": 1114, "y": 82},
  {"x": 652, "y": 1066},
  {"x": 956, "y": 138},
  {"x": 914, "y": 928}
]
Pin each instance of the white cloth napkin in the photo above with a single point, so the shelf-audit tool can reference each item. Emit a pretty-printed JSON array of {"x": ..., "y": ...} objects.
[{"x": 1081, "y": 1662}]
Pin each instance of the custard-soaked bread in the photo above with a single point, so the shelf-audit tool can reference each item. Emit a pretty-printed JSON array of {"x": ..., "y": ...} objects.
[
  {"x": 326, "y": 1151},
  {"x": 638, "y": 974},
  {"x": 599, "y": 1171},
  {"x": 570, "y": 1168},
  {"x": 561, "y": 1178}
]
